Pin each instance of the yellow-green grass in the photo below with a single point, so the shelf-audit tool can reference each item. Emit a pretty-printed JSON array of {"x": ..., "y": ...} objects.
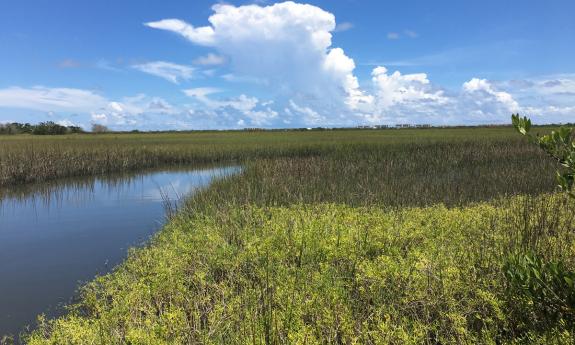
[{"x": 327, "y": 274}]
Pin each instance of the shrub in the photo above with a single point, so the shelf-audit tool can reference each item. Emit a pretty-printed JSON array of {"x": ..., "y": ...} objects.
[
  {"x": 49, "y": 128},
  {"x": 558, "y": 144},
  {"x": 97, "y": 128},
  {"x": 542, "y": 294}
]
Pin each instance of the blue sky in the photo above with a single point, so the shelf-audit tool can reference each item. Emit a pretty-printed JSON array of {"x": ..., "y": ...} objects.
[{"x": 202, "y": 64}]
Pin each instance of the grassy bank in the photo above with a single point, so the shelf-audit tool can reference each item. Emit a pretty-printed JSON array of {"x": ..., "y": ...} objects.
[
  {"x": 376, "y": 237},
  {"x": 327, "y": 273}
]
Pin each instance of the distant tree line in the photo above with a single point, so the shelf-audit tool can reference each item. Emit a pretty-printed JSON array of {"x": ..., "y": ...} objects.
[{"x": 43, "y": 128}]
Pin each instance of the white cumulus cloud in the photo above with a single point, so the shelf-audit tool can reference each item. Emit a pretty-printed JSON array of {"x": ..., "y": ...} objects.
[
  {"x": 287, "y": 45},
  {"x": 397, "y": 88},
  {"x": 482, "y": 100},
  {"x": 241, "y": 110},
  {"x": 286, "y": 50}
]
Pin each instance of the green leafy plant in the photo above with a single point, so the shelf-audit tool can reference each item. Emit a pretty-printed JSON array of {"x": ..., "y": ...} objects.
[
  {"x": 558, "y": 144},
  {"x": 543, "y": 292}
]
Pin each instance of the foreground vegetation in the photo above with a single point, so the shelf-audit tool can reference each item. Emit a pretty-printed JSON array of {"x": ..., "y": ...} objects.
[
  {"x": 366, "y": 237},
  {"x": 327, "y": 273}
]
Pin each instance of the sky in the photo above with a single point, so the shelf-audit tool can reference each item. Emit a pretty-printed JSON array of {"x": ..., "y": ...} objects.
[{"x": 182, "y": 64}]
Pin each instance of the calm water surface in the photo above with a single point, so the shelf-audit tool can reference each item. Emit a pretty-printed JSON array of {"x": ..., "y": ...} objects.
[{"x": 55, "y": 236}]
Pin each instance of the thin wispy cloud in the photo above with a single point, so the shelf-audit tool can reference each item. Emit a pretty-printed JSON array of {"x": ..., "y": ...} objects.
[
  {"x": 411, "y": 34},
  {"x": 51, "y": 99},
  {"x": 167, "y": 70},
  {"x": 202, "y": 35},
  {"x": 343, "y": 26},
  {"x": 69, "y": 63},
  {"x": 106, "y": 65},
  {"x": 210, "y": 60},
  {"x": 406, "y": 33},
  {"x": 458, "y": 55}
]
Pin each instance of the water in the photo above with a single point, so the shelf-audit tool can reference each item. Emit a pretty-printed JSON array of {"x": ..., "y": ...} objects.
[{"x": 55, "y": 236}]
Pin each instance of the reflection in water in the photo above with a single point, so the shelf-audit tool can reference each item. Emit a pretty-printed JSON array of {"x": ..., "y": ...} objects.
[{"x": 55, "y": 235}]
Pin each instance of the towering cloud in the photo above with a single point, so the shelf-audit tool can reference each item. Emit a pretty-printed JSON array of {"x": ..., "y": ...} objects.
[{"x": 286, "y": 45}]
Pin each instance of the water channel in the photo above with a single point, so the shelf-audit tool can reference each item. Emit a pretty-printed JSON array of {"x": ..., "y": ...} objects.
[{"x": 56, "y": 235}]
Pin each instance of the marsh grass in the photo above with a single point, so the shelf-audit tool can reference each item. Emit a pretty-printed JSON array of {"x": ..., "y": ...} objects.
[
  {"x": 399, "y": 175},
  {"x": 26, "y": 159},
  {"x": 351, "y": 237}
]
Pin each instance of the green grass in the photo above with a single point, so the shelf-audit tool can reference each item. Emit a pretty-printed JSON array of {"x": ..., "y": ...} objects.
[
  {"x": 375, "y": 237},
  {"x": 26, "y": 158},
  {"x": 453, "y": 173}
]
